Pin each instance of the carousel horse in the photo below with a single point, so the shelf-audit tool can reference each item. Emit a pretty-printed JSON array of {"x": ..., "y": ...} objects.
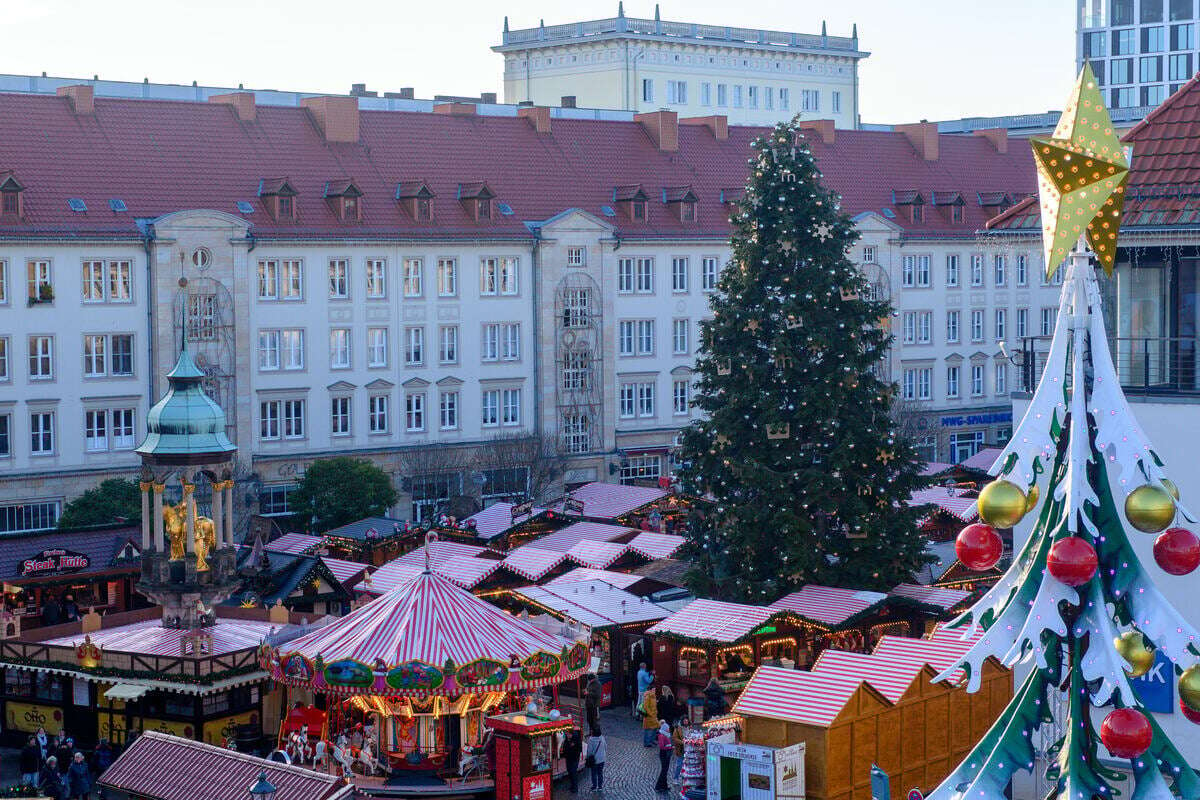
[
  {"x": 341, "y": 754},
  {"x": 366, "y": 757},
  {"x": 320, "y": 754}
]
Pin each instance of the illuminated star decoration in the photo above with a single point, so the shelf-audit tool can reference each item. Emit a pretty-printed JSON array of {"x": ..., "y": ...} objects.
[
  {"x": 824, "y": 231},
  {"x": 1082, "y": 171}
]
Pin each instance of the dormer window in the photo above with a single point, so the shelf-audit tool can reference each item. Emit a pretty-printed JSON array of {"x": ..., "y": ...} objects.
[
  {"x": 918, "y": 212},
  {"x": 278, "y": 198},
  {"x": 416, "y": 198},
  {"x": 344, "y": 199},
  {"x": 731, "y": 197},
  {"x": 682, "y": 200},
  {"x": 913, "y": 200},
  {"x": 994, "y": 202},
  {"x": 10, "y": 196},
  {"x": 951, "y": 205},
  {"x": 630, "y": 200},
  {"x": 476, "y": 200}
]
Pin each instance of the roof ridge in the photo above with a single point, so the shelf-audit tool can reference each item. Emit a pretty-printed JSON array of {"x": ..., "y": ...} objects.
[
  {"x": 1176, "y": 97},
  {"x": 237, "y": 755}
]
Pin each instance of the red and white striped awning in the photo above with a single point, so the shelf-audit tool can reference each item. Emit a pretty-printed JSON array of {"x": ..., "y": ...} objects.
[
  {"x": 948, "y": 499},
  {"x": 612, "y": 500},
  {"x": 599, "y": 555},
  {"x": 828, "y": 605},
  {"x": 297, "y": 544},
  {"x": 656, "y": 545},
  {"x": 344, "y": 570},
  {"x": 713, "y": 620},
  {"x": 810, "y": 698},
  {"x": 891, "y": 676},
  {"x": 621, "y": 580},
  {"x": 532, "y": 562},
  {"x": 931, "y": 595}
]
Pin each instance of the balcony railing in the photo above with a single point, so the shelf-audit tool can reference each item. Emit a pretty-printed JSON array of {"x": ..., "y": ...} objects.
[{"x": 1145, "y": 365}]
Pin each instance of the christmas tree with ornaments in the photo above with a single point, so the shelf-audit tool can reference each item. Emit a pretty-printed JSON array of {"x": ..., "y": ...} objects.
[
  {"x": 1077, "y": 605},
  {"x": 797, "y": 450}
]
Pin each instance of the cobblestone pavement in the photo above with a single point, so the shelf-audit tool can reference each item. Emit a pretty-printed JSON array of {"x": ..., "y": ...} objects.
[{"x": 631, "y": 769}]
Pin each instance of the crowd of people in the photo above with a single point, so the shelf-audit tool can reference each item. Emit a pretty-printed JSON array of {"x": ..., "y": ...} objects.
[
  {"x": 663, "y": 719},
  {"x": 58, "y": 770}
]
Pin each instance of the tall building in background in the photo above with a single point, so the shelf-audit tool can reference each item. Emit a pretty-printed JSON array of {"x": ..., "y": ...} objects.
[
  {"x": 751, "y": 76},
  {"x": 1141, "y": 51}
]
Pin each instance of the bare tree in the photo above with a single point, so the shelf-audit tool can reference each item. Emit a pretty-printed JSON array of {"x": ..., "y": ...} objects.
[
  {"x": 538, "y": 454},
  {"x": 432, "y": 460}
]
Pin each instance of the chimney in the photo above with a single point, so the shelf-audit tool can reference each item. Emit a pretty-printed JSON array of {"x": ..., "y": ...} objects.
[
  {"x": 336, "y": 116},
  {"x": 568, "y": 101},
  {"x": 538, "y": 116},
  {"x": 408, "y": 93},
  {"x": 663, "y": 128},
  {"x": 360, "y": 90},
  {"x": 455, "y": 109},
  {"x": 242, "y": 102},
  {"x": 488, "y": 98},
  {"x": 997, "y": 136},
  {"x": 80, "y": 97},
  {"x": 822, "y": 127},
  {"x": 923, "y": 136},
  {"x": 717, "y": 124}
]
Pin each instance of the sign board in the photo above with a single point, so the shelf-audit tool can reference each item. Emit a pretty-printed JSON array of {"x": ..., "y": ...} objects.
[
  {"x": 572, "y": 506},
  {"x": 28, "y": 717},
  {"x": 218, "y": 731},
  {"x": 54, "y": 562},
  {"x": 880, "y": 785},
  {"x": 1156, "y": 689},
  {"x": 536, "y": 787},
  {"x": 789, "y": 772},
  {"x": 762, "y": 773},
  {"x": 915, "y": 794},
  {"x": 182, "y": 729},
  {"x": 960, "y": 420}
]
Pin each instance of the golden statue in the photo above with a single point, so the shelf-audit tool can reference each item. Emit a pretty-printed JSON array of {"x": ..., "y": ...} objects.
[
  {"x": 206, "y": 542},
  {"x": 175, "y": 522}
]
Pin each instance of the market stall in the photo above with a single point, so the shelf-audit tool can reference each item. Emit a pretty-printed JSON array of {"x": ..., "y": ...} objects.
[
  {"x": 845, "y": 619},
  {"x": 528, "y": 753},
  {"x": 372, "y": 540}
]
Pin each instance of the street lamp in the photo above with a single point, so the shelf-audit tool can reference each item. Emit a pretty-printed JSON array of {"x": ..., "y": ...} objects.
[{"x": 262, "y": 788}]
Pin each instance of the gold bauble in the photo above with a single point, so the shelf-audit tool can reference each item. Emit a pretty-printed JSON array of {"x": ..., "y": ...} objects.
[
  {"x": 1150, "y": 509},
  {"x": 1131, "y": 646},
  {"x": 1031, "y": 499},
  {"x": 1001, "y": 504},
  {"x": 1171, "y": 487},
  {"x": 1189, "y": 688}
]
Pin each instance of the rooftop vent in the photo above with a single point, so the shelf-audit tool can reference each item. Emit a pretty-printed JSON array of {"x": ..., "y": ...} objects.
[
  {"x": 116, "y": 204},
  {"x": 505, "y": 209},
  {"x": 244, "y": 207},
  {"x": 77, "y": 205},
  {"x": 608, "y": 211}
]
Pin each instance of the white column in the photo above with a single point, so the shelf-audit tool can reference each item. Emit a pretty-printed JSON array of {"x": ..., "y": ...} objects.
[
  {"x": 145, "y": 487},
  {"x": 189, "y": 512},
  {"x": 218, "y": 512},
  {"x": 158, "y": 537}
]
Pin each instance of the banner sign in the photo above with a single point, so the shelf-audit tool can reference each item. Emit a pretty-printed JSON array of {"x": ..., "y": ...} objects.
[
  {"x": 28, "y": 717},
  {"x": 1156, "y": 689},
  {"x": 54, "y": 562}
]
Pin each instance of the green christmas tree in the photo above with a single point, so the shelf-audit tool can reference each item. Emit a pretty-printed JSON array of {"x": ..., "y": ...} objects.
[{"x": 797, "y": 449}]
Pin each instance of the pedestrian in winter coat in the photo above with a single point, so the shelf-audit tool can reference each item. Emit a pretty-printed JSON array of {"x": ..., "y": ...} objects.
[
  {"x": 43, "y": 742},
  {"x": 63, "y": 752},
  {"x": 714, "y": 699},
  {"x": 649, "y": 710},
  {"x": 31, "y": 762},
  {"x": 597, "y": 754},
  {"x": 665, "y": 750},
  {"x": 79, "y": 778},
  {"x": 677, "y": 743},
  {"x": 644, "y": 681},
  {"x": 591, "y": 702},
  {"x": 50, "y": 780},
  {"x": 572, "y": 750},
  {"x": 668, "y": 706}
]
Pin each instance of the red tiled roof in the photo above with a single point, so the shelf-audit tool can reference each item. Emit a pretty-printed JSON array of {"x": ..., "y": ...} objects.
[
  {"x": 163, "y": 767},
  {"x": 162, "y": 156}
]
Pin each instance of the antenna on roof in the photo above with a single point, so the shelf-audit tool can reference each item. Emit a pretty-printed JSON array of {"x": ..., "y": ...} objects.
[
  {"x": 657, "y": 16},
  {"x": 506, "y": 23},
  {"x": 620, "y": 8}
]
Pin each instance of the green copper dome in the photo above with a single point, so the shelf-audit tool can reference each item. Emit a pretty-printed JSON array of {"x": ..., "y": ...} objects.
[{"x": 186, "y": 426}]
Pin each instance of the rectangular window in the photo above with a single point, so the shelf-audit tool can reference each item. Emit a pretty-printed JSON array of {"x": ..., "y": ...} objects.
[
  {"x": 1183, "y": 37},
  {"x": 377, "y": 413},
  {"x": 1022, "y": 269},
  {"x": 645, "y": 275},
  {"x": 645, "y": 337},
  {"x": 414, "y": 412},
  {"x": 680, "y": 399},
  {"x": 627, "y": 400},
  {"x": 268, "y": 350},
  {"x": 785, "y": 101},
  {"x": 268, "y": 420},
  {"x": 339, "y": 348},
  {"x": 1124, "y": 98},
  {"x": 810, "y": 100},
  {"x": 576, "y": 433},
  {"x": 339, "y": 279},
  {"x": 679, "y": 274},
  {"x": 268, "y": 279},
  {"x": 625, "y": 337},
  {"x": 576, "y": 308},
  {"x": 95, "y": 425},
  {"x": 339, "y": 416},
  {"x": 1181, "y": 9},
  {"x": 868, "y": 254},
  {"x": 977, "y": 325},
  {"x": 768, "y": 97},
  {"x": 447, "y": 277},
  {"x": 291, "y": 348},
  {"x": 489, "y": 404},
  {"x": 291, "y": 280},
  {"x": 1000, "y": 269},
  {"x": 752, "y": 96},
  {"x": 909, "y": 326},
  {"x": 952, "y": 327},
  {"x": 737, "y": 96},
  {"x": 677, "y": 92},
  {"x": 93, "y": 281},
  {"x": 679, "y": 337},
  {"x": 1120, "y": 70},
  {"x": 5, "y": 375},
  {"x": 41, "y": 358},
  {"x": 965, "y": 445},
  {"x": 915, "y": 271},
  {"x": 1022, "y": 323},
  {"x": 448, "y": 344},
  {"x": 706, "y": 94},
  {"x": 510, "y": 342},
  {"x": 376, "y": 278},
  {"x": 272, "y": 502},
  {"x": 647, "y": 90},
  {"x": 95, "y": 363},
  {"x": 414, "y": 269},
  {"x": 952, "y": 270},
  {"x": 977, "y": 380},
  {"x": 951, "y": 381},
  {"x": 835, "y": 102},
  {"x": 577, "y": 369},
  {"x": 1154, "y": 40},
  {"x": 24, "y": 517},
  {"x": 576, "y": 257},
  {"x": 1153, "y": 95},
  {"x": 377, "y": 347},
  {"x": 1001, "y": 377},
  {"x": 123, "y": 429},
  {"x": 924, "y": 327},
  {"x": 1122, "y": 12},
  {"x": 641, "y": 470},
  {"x": 1001, "y": 323},
  {"x": 41, "y": 433},
  {"x": 498, "y": 276},
  {"x": 1180, "y": 66},
  {"x": 722, "y": 95},
  {"x": 41, "y": 285},
  {"x": 490, "y": 347},
  {"x": 293, "y": 419},
  {"x": 414, "y": 347},
  {"x": 708, "y": 273},
  {"x": 977, "y": 269},
  {"x": 645, "y": 392},
  {"x": 510, "y": 407},
  {"x": 1151, "y": 11},
  {"x": 448, "y": 411},
  {"x": 1150, "y": 69},
  {"x": 202, "y": 317},
  {"x": 625, "y": 275},
  {"x": 1049, "y": 315}
]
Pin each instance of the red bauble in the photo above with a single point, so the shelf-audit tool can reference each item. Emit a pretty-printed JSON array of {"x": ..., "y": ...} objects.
[
  {"x": 1192, "y": 716},
  {"x": 1072, "y": 560},
  {"x": 1126, "y": 733},
  {"x": 1177, "y": 551},
  {"x": 978, "y": 546}
]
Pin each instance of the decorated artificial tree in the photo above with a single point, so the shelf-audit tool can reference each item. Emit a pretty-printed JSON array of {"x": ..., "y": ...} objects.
[
  {"x": 797, "y": 448},
  {"x": 1076, "y": 602}
]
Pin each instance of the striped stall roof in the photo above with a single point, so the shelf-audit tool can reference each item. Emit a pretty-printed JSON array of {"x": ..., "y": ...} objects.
[
  {"x": 598, "y": 599},
  {"x": 941, "y": 651},
  {"x": 440, "y": 551},
  {"x": 151, "y": 638},
  {"x": 810, "y": 698},
  {"x": 532, "y": 562},
  {"x": 948, "y": 499},
  {"x": 935, "y": 468},
  {"x": 427, "y": 619},
  {"x": 496, "y": 519},
  {"x": 891, "y": 677},
  {"x": 621, "y": 580},
  {"x": 467, "y": 571},
  {"x": 612, "y": 500},
  {"x": 388, "y": 577},
  {"x": 656, "y": 545},
  {"x": 931, "y": 595},
  {"x": 713, "y": 620},
  {"x": 344, "y": 571},
  {"x": 566, "y": 538},
  {"x": 983, "y": 460},
  {"x": 828, "y": 605},
  {"x": 297, "y": 544},
  {"x": 599, "y": 555}
]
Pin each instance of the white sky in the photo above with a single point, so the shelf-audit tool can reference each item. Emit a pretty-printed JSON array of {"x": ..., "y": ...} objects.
[{"x": 931, "y": 59}]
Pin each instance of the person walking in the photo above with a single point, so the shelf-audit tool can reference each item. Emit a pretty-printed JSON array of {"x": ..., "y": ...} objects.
[
  {"x": 677, "y": 744},
  {"x": 644, "y": 681},
  {"x": 665, "y": 750},
  {"x": 668, "y": 707},
  {"x": 649, "y": 710},
  {"x": 79, "y": 778},
  {"x": 591, "y": 703},
  {"x": 597, "y": 754},
  {"x": 50, "y": 780},
  {"x": 572, "y": 750},
  {"x": 31, "y": 762}
]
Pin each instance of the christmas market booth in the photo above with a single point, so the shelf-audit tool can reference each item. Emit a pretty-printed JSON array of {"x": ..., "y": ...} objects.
[
  {"x": 655, "y": 509},
  {"x": 55, "y": 577},
  {"x": 528, "y": 753},
  {"x": 372, "y": 540},
  {"x": 421, "y": 667},
  {"x": 304, "y": 583}
]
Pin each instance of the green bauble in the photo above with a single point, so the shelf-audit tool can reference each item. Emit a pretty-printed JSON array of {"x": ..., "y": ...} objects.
[{"x": 1002, "y": 504}]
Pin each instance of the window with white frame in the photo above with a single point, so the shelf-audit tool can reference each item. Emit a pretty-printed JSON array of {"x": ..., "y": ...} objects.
[
  {"x": 339, "y": 279},
  {"x": 26, "y": 517},
  {"x": 1001, "y": 269},
  {"x": 625, "y": 275},
  {"x": 752, "y": 97},
  {"x": 576, "y": 307},
  {"x": 977, "y": 269},
  {"x": 679, "y": 274},
  {"x": 95, "y": 355},
  {"x": 810, "y": 100},
  {"x": 268, "y": 350},
  {"x": 627, "y": 400},
  {"x": 414, "y": 347},
  {"x": 510, "y": 340},
  {"x": 281, "y": 419},
  {"x": 915, "y": 271},
  {"x": 498, "y": 275},
  {"x": 677, "y": 92},
  {"x": 917, "y": 382},
  {"x": 510, "y": 407},
  {"x": 41, "y": 358},
  {"x": 835, "y": 102},
  {"x": 1001, "y": 377},
  {"x": 291, "y": 279},
  {"x": 268, "y": 279},
  {"x": 339, "y": 348},
  {"x": 291, "y": 348},
  {"x": 737, "y": 95},
  {"x": 681, "y": 396},
  {"x": 977, "y": 380},
  {"x": 768, "y": 97},
  {"x": 377, "y": 347},
  {"x": 576, "y": 257},
  {"x": 448, "y": 344},
  {"x": 706, "y": 94},
  {"x": 952, "y": 327},
  {"x": 708, "y": 273},
  {"x": 377, "y": 413},
  {"x": 625, "y": 337},
  {"x": 40, "y": 280},
  {"x": 952, "y": 270},
  {"x": 293, "y": 419},
  {"x": 576, "y": 433},
  {"x": 679, "y": 336},
  {"x": 577, "y": 369},
  {"x": 785, "y": 100},
  {"x": 1049, "y": 315},
  {"x": 414, "y": 273},
  {"x": 722, "y": 95},
  {"x": 41, "y": 433},
  {"x": 647, "y": 90},
  {"x": 646, "y": 397},
  {"x": 489, "y": 349},
  {"x": 3, "y": 282},
  {"x": 641, "y": 469},
  {"x": 1022, "y": 323},
  {"x": 268, "y": 420},
  {"x": 448, "y": 411},
  {"x": 376, "y": 278},
  {"x": 916, "y": 326},
  {"x": 1022, "y": 269},
  {"x": 414, "y": 411},
  {"x": 1001, "y": 323},
  {"x": 489, "y": 404},
  {"x": 924, "y": 327},
  {"x": 5, "y": 373},
  {"x": 952, "y": 381},
  {"x": 123, "y": 429},
  {"x": 964, "y": 445},
  {"x": 447, "y": 270},
  {"x": 645, "y": 276},
  {"x": 868, "y": 254},
  {"x": 202, "y": 317},
  {"x": 339, "y": 415},
  {"x": 95, "y": 430},
  {"x": 645, "y": 337},
  {"x": 977, "y": 325},
  {"x": 107, "y": 281}
]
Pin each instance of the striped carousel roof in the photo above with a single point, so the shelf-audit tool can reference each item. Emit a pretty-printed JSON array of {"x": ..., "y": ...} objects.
[
  {"x": 827, "y": 604},
  {"x": 426, "y": 619},
  {"x": 656, "y": 545},
  {"x": 533, "y": 562},
  {"x": 713, "y": 620},
  {"x": 810, "y": 698},
  {"x": 931, "y": 595}
]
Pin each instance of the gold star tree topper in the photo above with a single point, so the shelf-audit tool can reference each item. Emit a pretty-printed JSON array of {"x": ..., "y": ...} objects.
[{"x": 1082, "y": 171}]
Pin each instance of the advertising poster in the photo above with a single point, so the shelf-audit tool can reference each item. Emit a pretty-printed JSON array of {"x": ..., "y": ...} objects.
[
  {"x": 217, "y": 731},
  {"x": 789, "y": 772},
  {"x": 537, "y": 787},
  {"x": 28, "y": 717}
]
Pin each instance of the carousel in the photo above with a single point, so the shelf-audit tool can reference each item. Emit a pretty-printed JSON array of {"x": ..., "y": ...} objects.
[{"x": 397, "y": 694}]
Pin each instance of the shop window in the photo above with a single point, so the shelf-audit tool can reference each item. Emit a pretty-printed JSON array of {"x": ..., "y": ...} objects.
[
  {"x": 47, "y": 687},
  {"x": 25, "y": 517},
  {"x": 506, "y": 484},
  {"x": 273, "y": 500},
  {"x": 18, "y": 683}
]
